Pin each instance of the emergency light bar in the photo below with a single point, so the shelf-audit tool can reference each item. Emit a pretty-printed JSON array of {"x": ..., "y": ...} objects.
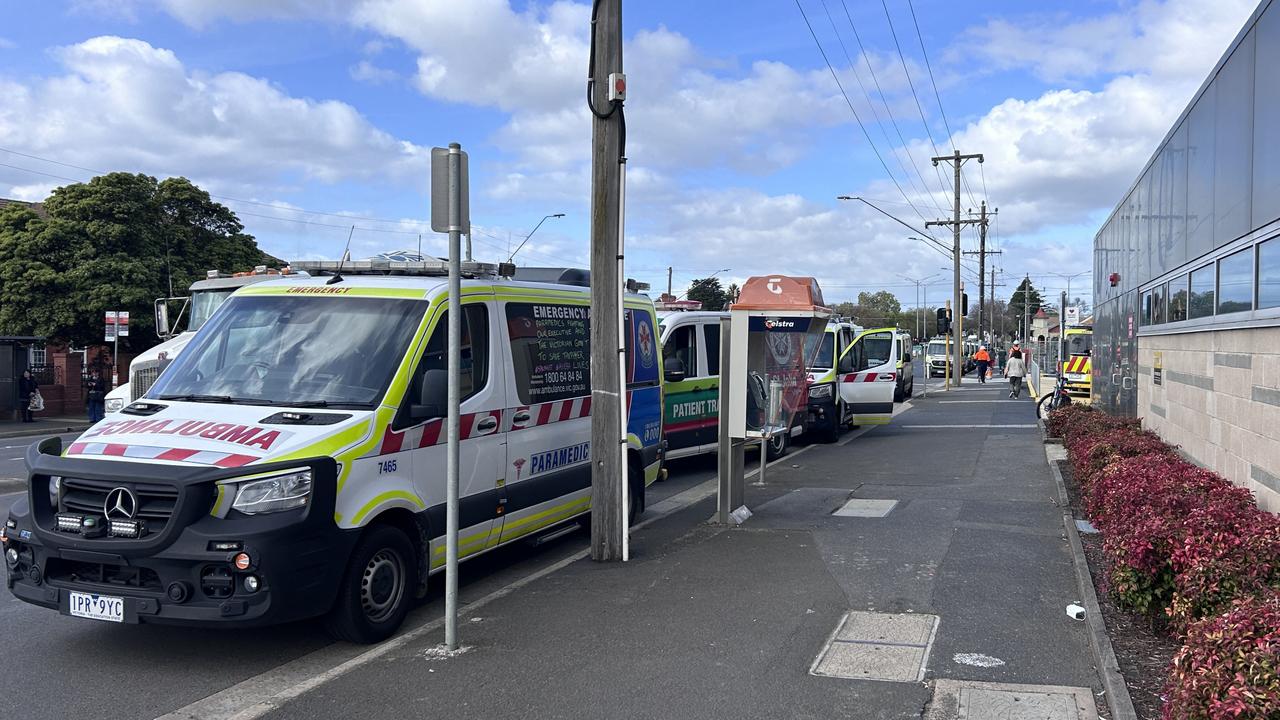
[{"x": 437, "y": 268}]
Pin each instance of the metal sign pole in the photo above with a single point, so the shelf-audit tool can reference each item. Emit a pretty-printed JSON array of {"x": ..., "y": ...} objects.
[{"x": 455, "y": 397}]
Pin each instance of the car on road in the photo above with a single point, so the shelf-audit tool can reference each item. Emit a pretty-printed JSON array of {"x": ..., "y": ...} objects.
[{"x": 290, "y": 462}]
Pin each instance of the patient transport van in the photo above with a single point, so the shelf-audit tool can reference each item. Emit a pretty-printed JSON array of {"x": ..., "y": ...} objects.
[{"x": 291, "y": 461}]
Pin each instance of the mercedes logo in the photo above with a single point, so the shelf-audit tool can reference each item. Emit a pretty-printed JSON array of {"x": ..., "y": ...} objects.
[{"x": 120, "y": 504}]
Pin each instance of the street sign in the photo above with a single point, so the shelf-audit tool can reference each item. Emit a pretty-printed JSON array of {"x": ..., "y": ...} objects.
[
  {"x": 440, "y": 192},
  {"x": 1073, "y": 315},
  {"x": 117, "y": 324}
]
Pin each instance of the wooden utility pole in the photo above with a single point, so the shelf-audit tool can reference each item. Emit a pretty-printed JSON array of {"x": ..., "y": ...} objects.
[
  {"x": 957, "y": 327},
  {"x": 982, "y": 253},
  {"x": 608, "y": 402},
  {"x": 669, "y": 281}
]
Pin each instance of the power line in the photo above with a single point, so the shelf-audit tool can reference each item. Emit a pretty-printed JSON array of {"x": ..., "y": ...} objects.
[
  {"x": 912, "y": 85},
  {"x": 849, "y": 102},
  {"x": 924, "y": 187}
]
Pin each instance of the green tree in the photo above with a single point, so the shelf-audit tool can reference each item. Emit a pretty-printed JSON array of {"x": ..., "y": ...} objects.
[
  {"x": 882, "y": 302},
  {"x": 709, "y": 291},
  {"x": 1026, "y": 299},
  {"x": 113, "y": 243}
]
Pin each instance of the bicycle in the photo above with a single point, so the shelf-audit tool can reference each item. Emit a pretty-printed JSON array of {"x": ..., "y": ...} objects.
[{"x": 1054, "y": 399}]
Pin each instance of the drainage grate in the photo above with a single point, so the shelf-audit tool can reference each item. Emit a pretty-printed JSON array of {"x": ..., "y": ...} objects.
[
  {"x": 859, "y": 507},
  {"x": 964, "y": 700},
  {"x": 878, "y": 646}
]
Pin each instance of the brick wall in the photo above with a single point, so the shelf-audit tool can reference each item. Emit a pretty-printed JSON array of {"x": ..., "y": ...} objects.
[{"x": 1219, "y": 399}]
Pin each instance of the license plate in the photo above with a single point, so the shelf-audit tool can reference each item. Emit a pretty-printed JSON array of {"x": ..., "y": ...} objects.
[
  {"x": 1077, "y": 377},
  {"x": 96, "y": 607}
]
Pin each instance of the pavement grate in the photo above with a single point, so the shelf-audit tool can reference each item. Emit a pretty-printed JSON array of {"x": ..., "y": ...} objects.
[
  {"x": 878, "y": 646},
  {"x": 859, "y": 507},
  {"x": 965, "y": 700}
]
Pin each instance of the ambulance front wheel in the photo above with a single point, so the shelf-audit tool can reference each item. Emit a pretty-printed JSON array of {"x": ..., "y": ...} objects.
[
  {"x": 376, "y": 588},
  {"x": 777, "y": 446}
]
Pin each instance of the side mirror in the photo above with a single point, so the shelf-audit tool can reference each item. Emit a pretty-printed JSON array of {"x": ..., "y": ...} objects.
[
  {"x": 846, "y": 363},
  {"x": 906, "y": 356},
  {"x": 673, "y": 375},
  {"x": 433, "y": 396},
  {"x": 162, "y": 318}
]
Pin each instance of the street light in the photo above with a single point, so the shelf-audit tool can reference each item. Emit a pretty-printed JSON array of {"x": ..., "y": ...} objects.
[
  {"x": 918, "y": 283},
  {"x": 1068, "y": 278},
  {"x": 535, "y": 229}
]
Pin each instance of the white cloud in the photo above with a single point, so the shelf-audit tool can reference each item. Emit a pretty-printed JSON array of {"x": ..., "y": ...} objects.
[
  {"x": 125, "y": 104},
  {"x": 7, "y": 44},
  {"x": 366, "y": 71},
  {"x": 1169, "y": 38},
  {"x": 200, "y": 13}
]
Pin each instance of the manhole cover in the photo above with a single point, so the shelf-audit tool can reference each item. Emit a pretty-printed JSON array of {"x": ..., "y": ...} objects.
[
  {"x": 964, "y": 700},
  {"x": 878, "y": 646},
  {"x": 859, "y": 507}
]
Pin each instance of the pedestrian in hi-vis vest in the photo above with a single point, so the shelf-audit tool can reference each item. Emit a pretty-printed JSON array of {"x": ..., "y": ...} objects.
[
  {"x": 983, "y": 359},
  {"x": 1015, "y": 370}
]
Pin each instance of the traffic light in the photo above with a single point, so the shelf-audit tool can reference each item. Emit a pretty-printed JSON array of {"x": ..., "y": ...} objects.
[
  {"x": 964, "y": 304},
  {"x": 944, "y": 320}
]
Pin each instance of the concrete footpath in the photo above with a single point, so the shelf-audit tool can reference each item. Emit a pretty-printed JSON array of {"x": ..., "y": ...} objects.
[
  {"x": 42, "y": 426},
  {"x": 916, "y": 570}
]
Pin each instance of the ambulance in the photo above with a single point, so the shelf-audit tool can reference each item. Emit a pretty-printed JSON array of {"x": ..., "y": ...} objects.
[
  {"x": 906, "y": 368},
  {"x": 1077, "y": 369},
  {"x": 290, "y": 463},
  {"x": 690, "y": 341},
  {"x": 828, "y": 415}
]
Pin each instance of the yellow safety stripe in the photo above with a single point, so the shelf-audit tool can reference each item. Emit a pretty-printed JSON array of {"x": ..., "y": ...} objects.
[
  {"x": 465, "y": 542},
  {"x": 385, "y": 498},
  {"x": 571, "y": 508},
  {"x": 222, "y": 503}
]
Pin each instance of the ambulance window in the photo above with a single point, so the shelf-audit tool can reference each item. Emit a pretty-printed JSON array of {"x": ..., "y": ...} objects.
[
  {"x": 474, "y": 371},
  {"x": 680, "y": 352},
  {"x": 876, "y": 348},
  {"x": 711, "y": 333},
  {"x": 550, "y": 350}
]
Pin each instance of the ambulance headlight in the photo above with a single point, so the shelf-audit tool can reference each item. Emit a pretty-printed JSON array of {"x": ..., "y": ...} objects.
[
  {"x": 820, "y": 392},
  {"x": 288, "y": 491},
  {"x": 113, "y": 405}
]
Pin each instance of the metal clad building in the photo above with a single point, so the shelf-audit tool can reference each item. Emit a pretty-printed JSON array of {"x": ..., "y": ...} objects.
[{"x": 1187, "y": 274}]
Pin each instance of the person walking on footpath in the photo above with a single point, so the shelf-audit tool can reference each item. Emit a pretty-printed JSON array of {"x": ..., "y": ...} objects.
[
  {"x": 1015, "y": 370},
  {"x": 95, "y": 397},
  {"x": 27, "y": 389},
  {"x": 983, "y": 359}
]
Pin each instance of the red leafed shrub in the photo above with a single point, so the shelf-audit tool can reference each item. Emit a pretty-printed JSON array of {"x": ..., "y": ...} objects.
[
  {"x": 1229, "y": 666},
  {"x": 1141, "y": 505},
  {"x": 1230, "y": 549},
  {"x": 1063, "y": 418},
  {"x": 1092, "y": 453}
]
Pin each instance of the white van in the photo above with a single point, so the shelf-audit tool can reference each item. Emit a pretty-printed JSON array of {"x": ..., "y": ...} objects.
[{"x": 291, "y": 461}]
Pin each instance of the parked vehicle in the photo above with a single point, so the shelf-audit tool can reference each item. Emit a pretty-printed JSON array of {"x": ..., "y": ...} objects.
[
  {"x": 906, "y": 371},
  {"x": 290, "y": 462},
  {"x": 868, "y": 370},
  {"x": 691, "y": 380},
  {"x": 1077, "y": 369},
  {"x": 828, "y": 414}
]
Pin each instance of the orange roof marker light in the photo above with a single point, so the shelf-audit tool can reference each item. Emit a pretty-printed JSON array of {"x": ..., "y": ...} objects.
[{"x": 775, "y": 319}]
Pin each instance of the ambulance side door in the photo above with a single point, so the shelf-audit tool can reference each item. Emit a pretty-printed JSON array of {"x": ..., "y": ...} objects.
[
  {"x": 682, "y": 352},
  {"x": 868, "y": 376},
  {"x": 548, "y": 458},
  {"x": 481, "y": 446}
]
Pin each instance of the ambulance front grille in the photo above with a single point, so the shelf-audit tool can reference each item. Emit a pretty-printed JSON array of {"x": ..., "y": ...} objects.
[
  {"x": 142, "y": 375},
  {"x": 155, "y": 503}
]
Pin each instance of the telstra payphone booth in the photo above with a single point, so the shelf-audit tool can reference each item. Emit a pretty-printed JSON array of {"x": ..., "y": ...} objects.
[{"x": 775, "y": 323}]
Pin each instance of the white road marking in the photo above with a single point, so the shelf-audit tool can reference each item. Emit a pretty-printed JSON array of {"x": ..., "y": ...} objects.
[{"x": 969, "y": 426}]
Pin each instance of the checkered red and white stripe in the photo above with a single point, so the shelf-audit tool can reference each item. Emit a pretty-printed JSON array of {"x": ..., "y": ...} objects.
[
  {"x": 170, "y": 454},
  {"x": 510, "y": 419}
]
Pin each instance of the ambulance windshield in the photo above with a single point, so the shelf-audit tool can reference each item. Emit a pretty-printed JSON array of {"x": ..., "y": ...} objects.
[
  {"x": 820, "y": 351},
  {"x": 295, "y": 351}
]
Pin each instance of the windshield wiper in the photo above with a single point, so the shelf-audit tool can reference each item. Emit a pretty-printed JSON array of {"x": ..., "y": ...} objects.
[
  {"x": 321, "y": 404},
  {"x": 226, "y": 399}
]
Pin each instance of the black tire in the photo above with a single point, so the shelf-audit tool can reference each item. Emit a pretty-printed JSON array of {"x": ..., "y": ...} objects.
[
  {"x": 635, "y": 484},
  {"x": 777, "y": 446},
  {"x": 377, "y": 587},
  {"x": 899, "y": 394},
  {"x": 1043, "y": 406}
]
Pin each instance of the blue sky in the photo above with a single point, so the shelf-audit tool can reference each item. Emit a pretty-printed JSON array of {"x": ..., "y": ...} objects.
[{"x": 309, "y": 116}]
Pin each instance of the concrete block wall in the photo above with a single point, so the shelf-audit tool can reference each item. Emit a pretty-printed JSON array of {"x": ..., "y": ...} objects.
[{"x": 1219, "y": 400}]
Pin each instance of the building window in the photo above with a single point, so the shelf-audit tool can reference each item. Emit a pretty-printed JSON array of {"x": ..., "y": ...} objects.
[
  {"x": 1235, "y": 282},
  {"x": 36, "y": 357},
  {"x": 1269, "y": 274},
  {"x": 1202, "y": 293},
  {"x": 1178, "y": 299},
  {"x": 1159, "y": 296},
  {"x": 1146, "y": 308}
]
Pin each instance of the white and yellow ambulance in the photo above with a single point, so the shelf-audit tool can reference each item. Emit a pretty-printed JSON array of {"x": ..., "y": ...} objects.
[
  {"x": 868, "y": 375},
  {"x": 291, "y": 461}
]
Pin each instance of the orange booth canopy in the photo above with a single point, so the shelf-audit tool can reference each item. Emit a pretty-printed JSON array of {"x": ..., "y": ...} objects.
[{"x": 781, "y": 293}]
